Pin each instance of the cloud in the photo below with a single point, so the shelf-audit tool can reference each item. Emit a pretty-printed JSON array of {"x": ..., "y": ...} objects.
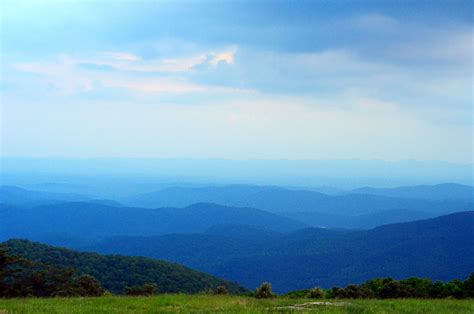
[
  {"x": 226, "y": 57},
  {"x": 127, "y": 62},
  {"x": 132, "y": 63},
  {"x": 69, "y": 74}
]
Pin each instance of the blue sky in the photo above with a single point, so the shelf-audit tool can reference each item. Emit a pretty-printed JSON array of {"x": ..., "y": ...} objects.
[{"x": 238, "y": 79}]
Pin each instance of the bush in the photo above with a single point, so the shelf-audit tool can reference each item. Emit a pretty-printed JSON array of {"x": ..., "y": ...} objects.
[
  {"x": 316, "y": 293},
  {"x": 88, "y": 286},
  {"x": 264, "y": 291},
  {"x": 221, "y": 290}
]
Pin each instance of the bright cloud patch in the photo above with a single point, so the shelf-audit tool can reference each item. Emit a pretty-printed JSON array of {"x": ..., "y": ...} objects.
[{"x": 226, "y": 57}]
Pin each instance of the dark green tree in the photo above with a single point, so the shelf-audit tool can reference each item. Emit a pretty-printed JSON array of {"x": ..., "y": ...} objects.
[
  {"x": 86, "y": 285},
  {"x": 264, "y": 291},
  {"x": 468, "y": 287}
]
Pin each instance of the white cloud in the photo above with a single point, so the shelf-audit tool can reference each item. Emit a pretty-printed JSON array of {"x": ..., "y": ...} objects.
[
  {"x": 226, "y": 57},
  {"x": 69, "y": 75},
  {"x": 123, "y": 61}
]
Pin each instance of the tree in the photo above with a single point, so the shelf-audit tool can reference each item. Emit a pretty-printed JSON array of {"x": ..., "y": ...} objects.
[
  {"x": 316, "y": 293},
  {"x": 376, "y": 285},
  {"x": 338, "y": 293},
  {"x": 264, "y": 291},
  {"x": 10, "y": 270},
  {"x": 87, "y": 285},
  {"x": 20, "y": 277},
  {"x": 391, "y": 290},
  {"x": 415, "y": 288},
  {"x": 468, "y": 287}
]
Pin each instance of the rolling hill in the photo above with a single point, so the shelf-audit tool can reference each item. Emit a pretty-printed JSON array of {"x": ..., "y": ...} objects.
[
  {"x": 439, "y": 248},
  {"x": 117, "y": 272}
]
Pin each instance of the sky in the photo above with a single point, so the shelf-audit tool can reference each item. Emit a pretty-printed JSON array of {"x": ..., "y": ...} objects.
[{"x": 389, "y": 80}]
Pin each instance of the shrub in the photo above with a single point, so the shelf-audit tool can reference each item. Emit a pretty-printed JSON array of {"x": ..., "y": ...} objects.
[
  {"x": 88, "y": 286},
  {"x": 221, "y": 290},
  {"x": 264, "y": 291},
  {"x": 316, "y": 293}
]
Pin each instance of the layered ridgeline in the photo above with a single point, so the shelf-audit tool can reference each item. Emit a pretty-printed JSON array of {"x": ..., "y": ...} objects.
[
  {"x": 438, "y": 192},
  {"x": 362, "y": 208},
  {"x": 116, "y": 272},
  {"x": 270, "y": 207},
  {"x": 250, "y": 245},
  {"x": 13, "y": 195},
  {"x": 441, "y": 249},
  {"x": 91, "y": 220},
  {"x": 276, "y": 199}
]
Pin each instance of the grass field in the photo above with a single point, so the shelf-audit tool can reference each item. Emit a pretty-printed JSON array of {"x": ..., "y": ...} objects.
[{"x": 234, "y": 304}]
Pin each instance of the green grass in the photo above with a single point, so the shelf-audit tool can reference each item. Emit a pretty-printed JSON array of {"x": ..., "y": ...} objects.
[{"x": 177, "y": 303}]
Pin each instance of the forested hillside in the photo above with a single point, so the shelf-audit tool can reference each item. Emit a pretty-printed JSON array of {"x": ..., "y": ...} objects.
[
  {"x": 116, "y": 272},
  {"x": 440, "y": 248}
]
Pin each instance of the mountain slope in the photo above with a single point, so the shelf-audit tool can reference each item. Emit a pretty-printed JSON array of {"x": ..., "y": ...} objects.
[
  {"x": 117, "y": 272},
  {"x": 439, "y": 248},
  {"x": 366, "y": 221}
]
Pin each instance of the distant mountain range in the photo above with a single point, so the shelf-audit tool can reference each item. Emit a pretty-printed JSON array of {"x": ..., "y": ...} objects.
[
  {"x": 116, "y": 272},
  {"x": 275, "y": 199},
  {"x": 263, "y": 233},
  {"x": 18, "y": 196},
  {"x": 13, "y": 195},
  {"x": 441, "y": 248},
  {"x": 439, "y": 192},
  {"x": 352, "y": 209},
  {"x": 276, "y": 208},
  {"x": 92, "y": 220}
]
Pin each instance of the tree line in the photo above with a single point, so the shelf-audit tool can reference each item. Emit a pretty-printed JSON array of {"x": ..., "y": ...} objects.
[
  {"x": 20, "y": 277},
  {"x": 389, "y": 288}
]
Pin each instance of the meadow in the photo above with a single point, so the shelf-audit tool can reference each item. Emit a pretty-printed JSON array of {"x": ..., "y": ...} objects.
[{"x": 182, "y": 303}]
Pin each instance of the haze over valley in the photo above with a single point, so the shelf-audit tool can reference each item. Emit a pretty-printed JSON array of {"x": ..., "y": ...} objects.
[{"x": 236, "y": 156}]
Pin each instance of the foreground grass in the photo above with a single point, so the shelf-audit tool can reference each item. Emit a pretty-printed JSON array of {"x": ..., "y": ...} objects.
[{"x": 180, "y": 303}]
